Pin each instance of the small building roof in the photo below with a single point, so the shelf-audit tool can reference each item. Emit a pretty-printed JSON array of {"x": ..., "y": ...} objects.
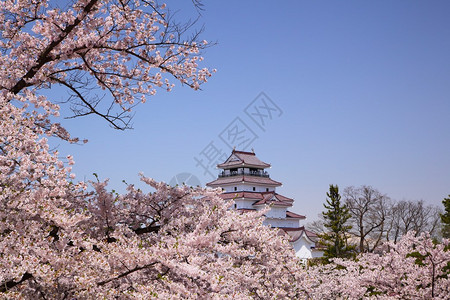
[
  {"x": 272, "y": 198},
  {"x": 296, "y": 233},
  {"x": 243, "y": 159},
  {"x": 292, "y": 215},
  {"x": 293, "y": 233}
]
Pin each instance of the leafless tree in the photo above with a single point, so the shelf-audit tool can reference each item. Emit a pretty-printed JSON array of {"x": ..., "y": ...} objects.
[
  {"x": 368, "y": 208},
  {"x": 317, "y": 226},
  {"x": 407, "y": 215}
]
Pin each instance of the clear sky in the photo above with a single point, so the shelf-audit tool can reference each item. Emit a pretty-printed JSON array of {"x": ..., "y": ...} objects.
[{"x": 358, "y": 91}]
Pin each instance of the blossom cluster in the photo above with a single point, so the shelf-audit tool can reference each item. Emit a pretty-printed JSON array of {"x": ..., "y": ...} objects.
[
  {"x": 97, "y": 50},
  {"x": 416, "y": 267},
  {"x": 59, "y": 240}
]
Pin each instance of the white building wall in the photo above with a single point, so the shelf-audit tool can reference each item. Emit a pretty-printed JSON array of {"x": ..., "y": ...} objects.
[
  {"x": 281, "y": 223},
  {"x": 303, "y": 249},
  {"x": 259, "y": 189},
  {"x": 248, "y": 188},
  {"x": 276, "y": 212},
  {"x": 275, "y": 217},
  {"x": 240, "y": 203}
]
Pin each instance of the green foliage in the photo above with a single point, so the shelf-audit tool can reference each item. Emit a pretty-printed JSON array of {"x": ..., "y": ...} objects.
[
  {"x": 373, "y": 292},
  {"x": 419, "y": 257},
  {"x": 336, "y": 216},
  {"x": 445, "y": 218}
]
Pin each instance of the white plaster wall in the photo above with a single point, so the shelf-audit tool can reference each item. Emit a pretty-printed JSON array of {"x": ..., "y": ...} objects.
[
  {"x": 239, "y": 188},
  {"x": 277, "y": 212},
  {"x": 249, "y": 188},
  {"x": 260, "y": 189},
  {"x": 281, "y": 223},
  {"x": 246, "y": 187},
  {"x": 244, "y": 203},
  {"x": 303, "y": 248},
  {"x": 227, "y": 188}
]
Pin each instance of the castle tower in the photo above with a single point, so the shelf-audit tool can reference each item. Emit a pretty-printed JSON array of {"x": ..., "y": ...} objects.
[{"x": 243, "y": 177}]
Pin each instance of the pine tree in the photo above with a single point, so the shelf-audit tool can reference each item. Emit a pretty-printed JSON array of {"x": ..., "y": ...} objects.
[
  {"x": 336, "y": 217},
  {"x": 445, "y": 218}
]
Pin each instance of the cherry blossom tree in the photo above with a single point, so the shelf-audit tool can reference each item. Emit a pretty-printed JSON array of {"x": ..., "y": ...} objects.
[
  {"x": 108, "y": 54},
  {"x": 60, "y": 242},
  {"x": 413, "y": 268},
  {"x": 184, "y": 241},
  {"x": 58, "y": 238},
  {"x": 40, "y": 206},
  {"x": 61, "y": 239}
]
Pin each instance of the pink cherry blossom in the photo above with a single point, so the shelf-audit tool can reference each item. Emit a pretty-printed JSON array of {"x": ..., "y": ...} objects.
[{"x": 65, "y": 239}]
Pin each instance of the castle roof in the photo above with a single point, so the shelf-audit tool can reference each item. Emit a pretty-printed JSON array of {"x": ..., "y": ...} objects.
[
  {"x": 248, "y": 195},
  {"x": 292, "y": 215},
  {"x": 243, "y": 159},
  {"x": 222, "y": 181},
  {"x": 296, "y": 233},
  {"x": 262, "y": 198},
  {"x": 272, "y": 198}
]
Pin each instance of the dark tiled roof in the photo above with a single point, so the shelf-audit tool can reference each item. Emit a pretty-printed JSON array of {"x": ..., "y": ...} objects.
[
  {"x": 290, "y": 214},
  {"x": 248, "y": 195},
  {"x": 293, "y": 233},
  {"x": 296, "y": 233},
  {"x": 243, "y": 178},
  {"x": 273, "y": 202},
  {"x": 274, "y": 199},
  {"x": 281, "y": 197},
  {"x": 312, "y": 235},
  {"x": 244, "y": 159},
  {"x": 263, "y": 198}
]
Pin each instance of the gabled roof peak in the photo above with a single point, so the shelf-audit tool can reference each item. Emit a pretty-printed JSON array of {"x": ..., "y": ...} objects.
[
  {"x": 243, "y": 152},
  {"x": 243, "y": 159}
]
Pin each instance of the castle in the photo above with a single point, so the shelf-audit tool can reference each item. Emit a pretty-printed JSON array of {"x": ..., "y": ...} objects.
[{"x": 243, "y": 178}]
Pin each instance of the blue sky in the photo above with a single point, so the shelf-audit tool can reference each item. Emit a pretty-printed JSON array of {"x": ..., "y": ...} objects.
[{"x": 362, "y": 88}]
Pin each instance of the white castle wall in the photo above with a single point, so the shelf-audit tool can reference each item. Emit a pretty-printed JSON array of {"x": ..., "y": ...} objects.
[
  {"x": 243, "y": 204},
  {"x": 276, "y": 212},
  {"x": 281, "y": 223},
  {"x": 247, "y": 188}
]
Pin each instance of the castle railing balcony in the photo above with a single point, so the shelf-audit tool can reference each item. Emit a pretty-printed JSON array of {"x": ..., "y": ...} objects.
[{"x": 239, "y": 173}]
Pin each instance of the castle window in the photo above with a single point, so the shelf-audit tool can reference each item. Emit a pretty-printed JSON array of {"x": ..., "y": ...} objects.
[
  {"x": 235, "y": 188},
  {"x": 267, "y": 189},
  {"x": 254, "y": 189}
]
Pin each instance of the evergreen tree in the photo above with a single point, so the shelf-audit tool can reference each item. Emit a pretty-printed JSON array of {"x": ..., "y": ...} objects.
[
  {"x": 336, "y": 217},
  {"x": 445, "y": 218}
]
